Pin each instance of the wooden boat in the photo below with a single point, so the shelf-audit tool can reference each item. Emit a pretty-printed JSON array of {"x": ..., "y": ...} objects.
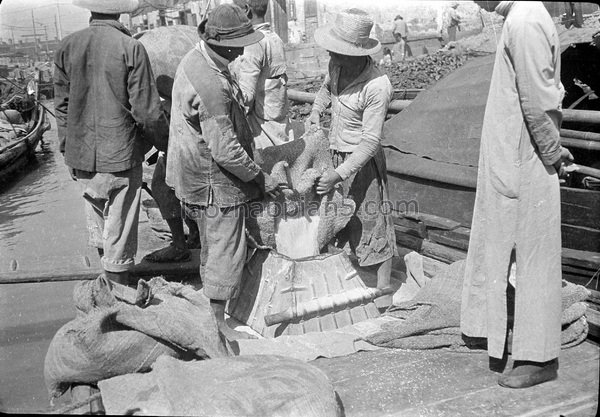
[
  {"x": 25, "y": 136},
  {"x": 432, "y": 150},
  {"x": 369, "y": 383}
]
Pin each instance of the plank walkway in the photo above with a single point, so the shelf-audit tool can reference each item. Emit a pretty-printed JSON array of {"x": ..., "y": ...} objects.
[
  {"x": 442, "y": 383},
  {"x": 380, "y": 383}
]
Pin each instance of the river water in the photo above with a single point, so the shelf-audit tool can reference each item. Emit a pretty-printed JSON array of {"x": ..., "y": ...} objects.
[
  {"x": 42, "y": 228},
  {"x": 41, "y": 209},
  {"x": 42, "y": 219}
]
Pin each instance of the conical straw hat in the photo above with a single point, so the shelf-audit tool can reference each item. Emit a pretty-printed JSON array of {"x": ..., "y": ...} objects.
[{"x": 349, "y": 34}]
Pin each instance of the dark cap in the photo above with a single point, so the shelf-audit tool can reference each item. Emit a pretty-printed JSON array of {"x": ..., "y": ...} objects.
[{"x": 227, "y": 25}]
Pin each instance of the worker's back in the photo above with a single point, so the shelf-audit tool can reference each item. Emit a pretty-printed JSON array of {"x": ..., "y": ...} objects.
[{"x": 105, "y": 76}]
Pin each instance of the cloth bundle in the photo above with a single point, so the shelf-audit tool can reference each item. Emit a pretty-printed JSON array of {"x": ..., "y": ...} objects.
[
  {"x": 260, "y": 385},
  {"x": 297, "y": 165},
  {"x": 432, "y": 318},
  {"x": 119, "y": 331}
]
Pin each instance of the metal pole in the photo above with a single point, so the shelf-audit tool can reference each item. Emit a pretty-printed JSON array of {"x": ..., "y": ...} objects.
[
  {"x": 34, "y": 36},
  {"x": 55, "y": 28},
  {"x": 46, "y": 34},
  {"x": 59, "y": 31}
]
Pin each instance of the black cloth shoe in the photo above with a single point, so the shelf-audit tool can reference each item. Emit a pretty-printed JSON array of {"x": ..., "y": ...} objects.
[{"x": 526, "y": 374}]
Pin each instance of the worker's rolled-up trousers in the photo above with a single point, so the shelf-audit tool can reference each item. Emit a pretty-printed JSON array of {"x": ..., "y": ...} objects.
[
  {"x": 112, "y": 210},
  {"x": 223, "y": 252}
]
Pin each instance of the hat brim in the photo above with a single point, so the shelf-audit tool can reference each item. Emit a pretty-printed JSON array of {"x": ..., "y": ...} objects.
[
  {"x": 108, "y": 6},
  {"x": 240, "y": 42},
  {"x": 325, "y": 38}
]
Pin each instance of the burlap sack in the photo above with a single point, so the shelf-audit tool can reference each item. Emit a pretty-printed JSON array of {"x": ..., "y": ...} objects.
[
  {"x": 257, "y": 385},
  {"x": 112, "y": 336},
  {"x": 298, "y": 165}
]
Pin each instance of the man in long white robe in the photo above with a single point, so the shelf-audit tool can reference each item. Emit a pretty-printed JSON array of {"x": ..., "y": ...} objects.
[{"x": 517, "y": 205}]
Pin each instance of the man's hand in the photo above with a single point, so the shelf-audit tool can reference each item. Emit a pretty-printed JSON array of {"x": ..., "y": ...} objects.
[
  {"x": 72, "y": 173},
  {"x": 267, "y": 184},
  {"x": 565, "y": 159},
  {"x": 328, "y": 181},
  {"x": 313, "y": 122}
]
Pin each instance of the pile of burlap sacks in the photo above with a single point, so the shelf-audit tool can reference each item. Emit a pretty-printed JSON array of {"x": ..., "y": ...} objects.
[
  {"x": 431, "y": 319},
  {"x": 168, "y": 332}
]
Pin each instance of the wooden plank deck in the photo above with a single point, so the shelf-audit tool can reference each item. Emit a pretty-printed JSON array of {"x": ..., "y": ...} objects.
[
  {"x": 443, "y": 383},
  {"x": 380, "y": 383}
]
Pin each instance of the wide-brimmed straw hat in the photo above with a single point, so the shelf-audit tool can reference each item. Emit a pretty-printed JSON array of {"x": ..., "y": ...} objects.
[
  {"x": 227, "y": 25},
  {"x": 349, "y": 34},
  {"x": 108, "y": 6}
]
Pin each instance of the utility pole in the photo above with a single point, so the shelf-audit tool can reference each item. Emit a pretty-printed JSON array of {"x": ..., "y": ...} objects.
[
  {"x": 46, "y": 35},
  {"x": 34, "y": 36},
  {"x": 55, "y": 28},
  {"x": 59, "y": 30}
]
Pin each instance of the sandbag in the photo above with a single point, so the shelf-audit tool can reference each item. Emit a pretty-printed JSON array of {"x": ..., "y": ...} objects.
[
  {"x": 119, "y": 330},
  {"x": 94, "y": 347},
  {"x": 258, "y": 385}
]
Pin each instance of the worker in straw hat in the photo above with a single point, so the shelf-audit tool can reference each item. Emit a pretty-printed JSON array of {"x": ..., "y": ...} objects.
[
  {"x": 108, "y": 116},
  {"x": 210, "y": 160},
  {"x": 359, "y": 95}
]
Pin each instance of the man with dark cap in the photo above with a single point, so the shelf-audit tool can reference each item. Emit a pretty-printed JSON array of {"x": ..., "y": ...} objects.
[
  {"x": 108, "y": 116},
  {"x": 261, "y": 74},
  {"x": 209, "y": 161}
]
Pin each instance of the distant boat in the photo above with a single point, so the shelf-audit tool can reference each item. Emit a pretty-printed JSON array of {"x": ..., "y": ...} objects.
[{"x": 22, "y": 125}]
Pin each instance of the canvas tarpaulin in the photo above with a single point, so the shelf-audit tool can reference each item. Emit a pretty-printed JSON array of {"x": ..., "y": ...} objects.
[
  {"x": 443, "y": 123},
  {"x": 261, "y": 386}
]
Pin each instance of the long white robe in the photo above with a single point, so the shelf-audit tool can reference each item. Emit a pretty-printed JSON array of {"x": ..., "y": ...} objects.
[{"x": 517, "y": 205}]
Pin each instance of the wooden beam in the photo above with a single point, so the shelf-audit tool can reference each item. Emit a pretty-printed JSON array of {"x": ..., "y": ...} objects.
[
  {"x": 441, "y": 252},
  {"x": 412, "y": 227},
  {"x": 576, "y": 134},
  {"x": 580, "y": 207},
  {"x": 580, "y": 238},
  {"x": 588, "y": 145},
  {"x": 395, "y": 106},
  {"x": 407, "y": 240},
  {"x": 581, "y": 259},
  {"x": 457, "y": 238},
  {"x": 76, "y": 271},
  {"x": 432, "y": 221},
  {"x": 592, "y": 172},
  {"x": 581, "y": 116}
]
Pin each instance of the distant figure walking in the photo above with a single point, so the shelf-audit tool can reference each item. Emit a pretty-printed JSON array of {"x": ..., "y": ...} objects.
[
  {"x": 454, "y": 23},
  {"x": 400, "y": 33}
]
